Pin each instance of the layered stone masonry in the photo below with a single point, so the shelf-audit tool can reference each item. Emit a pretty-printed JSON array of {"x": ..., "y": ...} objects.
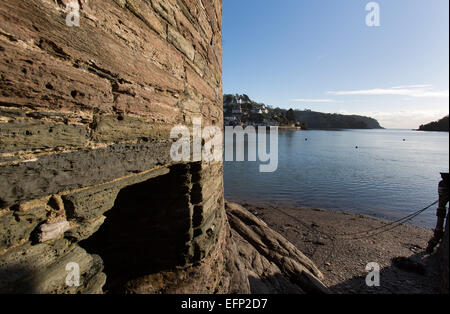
[{"x": 85, "y": 116}]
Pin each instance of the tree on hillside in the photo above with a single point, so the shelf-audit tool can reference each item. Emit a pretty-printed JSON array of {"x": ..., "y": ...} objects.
[
  {"x": 441, "y": 125},
  {"x": 227, "y": 98},
  {"x": 290, "y": 115}
]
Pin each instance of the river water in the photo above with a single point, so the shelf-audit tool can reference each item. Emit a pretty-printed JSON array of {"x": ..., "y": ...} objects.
[{"x": 380, "y": 173}]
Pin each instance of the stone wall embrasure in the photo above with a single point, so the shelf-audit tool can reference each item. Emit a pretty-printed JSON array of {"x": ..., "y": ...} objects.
[{"x": 85, "y": 117}]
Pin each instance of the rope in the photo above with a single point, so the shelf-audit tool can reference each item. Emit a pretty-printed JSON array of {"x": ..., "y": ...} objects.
[
  {"x": 399, "y": 221},
  {"x": 367, "y": 233}
]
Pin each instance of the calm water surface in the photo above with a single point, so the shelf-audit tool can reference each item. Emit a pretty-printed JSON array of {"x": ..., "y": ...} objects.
[{"x": 384, "y": 177}]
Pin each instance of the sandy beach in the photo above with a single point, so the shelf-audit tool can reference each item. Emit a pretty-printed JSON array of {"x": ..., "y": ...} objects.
[{"x": 342, "y": 259}]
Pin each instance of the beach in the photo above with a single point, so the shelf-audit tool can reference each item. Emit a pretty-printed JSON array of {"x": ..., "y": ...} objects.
[{"x": 343, "y": 259}]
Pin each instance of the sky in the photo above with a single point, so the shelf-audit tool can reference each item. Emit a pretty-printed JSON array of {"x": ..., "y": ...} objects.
[{"x": 321, "y": 55}]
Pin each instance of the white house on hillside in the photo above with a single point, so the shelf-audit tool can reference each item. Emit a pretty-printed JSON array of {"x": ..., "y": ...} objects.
[{"x": 237, "y": 109}]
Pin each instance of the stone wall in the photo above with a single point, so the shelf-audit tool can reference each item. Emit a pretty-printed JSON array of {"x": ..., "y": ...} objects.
[{"x": 85, "y": 116}]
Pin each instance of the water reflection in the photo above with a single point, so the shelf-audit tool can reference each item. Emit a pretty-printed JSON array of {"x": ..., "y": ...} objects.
[{"x": 384, "y": 177}]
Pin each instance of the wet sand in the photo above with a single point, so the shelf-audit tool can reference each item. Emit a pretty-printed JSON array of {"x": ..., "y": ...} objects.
[{"x": 343, "y": 259}]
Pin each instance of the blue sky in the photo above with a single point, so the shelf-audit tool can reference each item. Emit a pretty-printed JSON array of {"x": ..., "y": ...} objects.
[{"x": 321, "y": 55}]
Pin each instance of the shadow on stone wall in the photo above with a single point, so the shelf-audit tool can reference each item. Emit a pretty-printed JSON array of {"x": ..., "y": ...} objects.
[
  {"x": 146, "y": 231},
  {"x": 19, "y": 284}
]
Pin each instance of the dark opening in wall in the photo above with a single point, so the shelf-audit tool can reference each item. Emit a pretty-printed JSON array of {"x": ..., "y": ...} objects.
[{"x": 146, "y": 231}]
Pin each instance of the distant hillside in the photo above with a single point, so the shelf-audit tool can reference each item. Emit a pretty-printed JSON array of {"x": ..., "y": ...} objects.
[
  {"x": 319, "y": 120},
  {"x": 240, "y": 109},
  {"x": 441, "y": 125}
]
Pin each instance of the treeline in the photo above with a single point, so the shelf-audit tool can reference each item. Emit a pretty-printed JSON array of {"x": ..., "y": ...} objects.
[
  {"x": 441, "y": 125},
  {"x": 319, "y": 120},
  {"x": 306, "y": 119}
]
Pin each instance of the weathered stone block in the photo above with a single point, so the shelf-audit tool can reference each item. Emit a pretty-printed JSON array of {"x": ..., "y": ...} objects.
[
  {"x": 83, "y": 230},
  {"x": 199, "y": 84},
  {"x": 42, "y": 269},
  {"x": 52, "y": 174},
  {"x": 180, "y": 42},
  {"x": 18, "y": 265},
  {"x": 53, "y": 278},
  {"x": 165, "y": 8},
  {"x": 34, "y": 79},
  {"x": 93, "y": 202},
  {"x": 16, "y": 226},
  {"x": 28, "y": 134},
  {"x": 145, "y": 12}
]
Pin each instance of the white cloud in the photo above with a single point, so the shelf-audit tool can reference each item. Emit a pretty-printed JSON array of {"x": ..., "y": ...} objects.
[
  {"x": 414, "y": 86},
  {"x": 406, "y": 119},
  {"x": 312, "y": 100},
  {"x": 410, "y": 91}
]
